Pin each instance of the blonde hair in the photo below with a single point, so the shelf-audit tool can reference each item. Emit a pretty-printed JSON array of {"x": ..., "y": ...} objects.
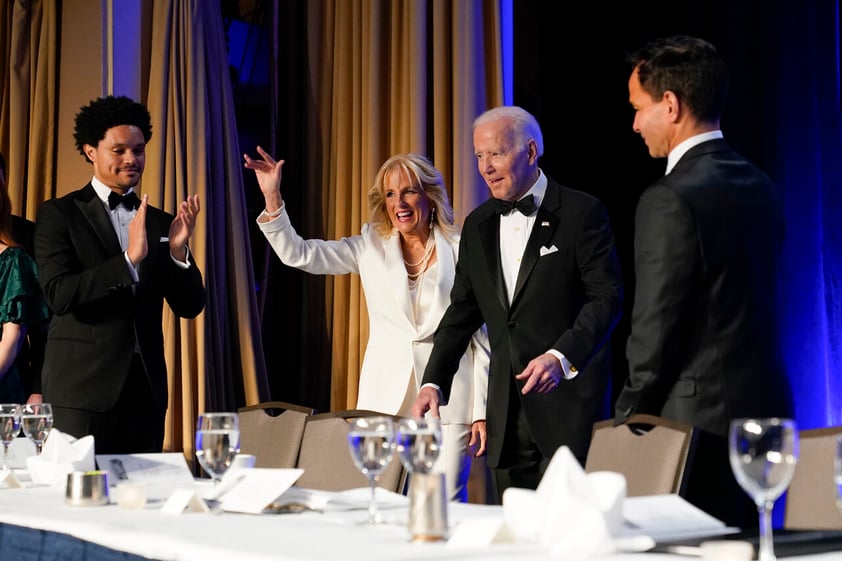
[{"x": 423, "y": 174}]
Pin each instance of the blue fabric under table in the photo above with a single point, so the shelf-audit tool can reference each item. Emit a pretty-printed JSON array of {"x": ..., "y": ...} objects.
[{"x": 18, "y": 543}]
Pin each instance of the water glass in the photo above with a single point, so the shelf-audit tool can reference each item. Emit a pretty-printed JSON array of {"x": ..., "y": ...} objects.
[
  {"x": 217, "y": 442},
  {"x": 371, "y": 441},
  {"x": 418, "y": 444},
  {"x": 37, "y": 420},
  {"x": 763, "y": 455},
  {"x": 9, "y": 427}
]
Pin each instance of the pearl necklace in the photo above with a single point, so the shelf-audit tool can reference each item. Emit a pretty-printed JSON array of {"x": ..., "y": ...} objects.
[{"x": 425, "y": 259}]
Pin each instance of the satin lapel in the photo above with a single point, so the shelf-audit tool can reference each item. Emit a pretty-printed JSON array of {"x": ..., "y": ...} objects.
[
  {"x": 91, "y": 208},
  {"x": 546, "y": 224},
  {"x": 445, "y": 272},
  {"x": 490, "y": 239},
  {"x": 396, "y": 280}
]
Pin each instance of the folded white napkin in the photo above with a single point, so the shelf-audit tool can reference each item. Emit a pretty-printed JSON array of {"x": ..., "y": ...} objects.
[
  {"x": 574, "y": 514},
  {"x": 60, "y": 455}
]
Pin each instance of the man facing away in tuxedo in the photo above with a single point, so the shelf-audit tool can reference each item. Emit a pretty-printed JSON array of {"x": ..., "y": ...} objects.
[
  {"x": 107, "y": 261},
  {"x": 538, "y": 265},
  {"x": 708, "y": 237}
]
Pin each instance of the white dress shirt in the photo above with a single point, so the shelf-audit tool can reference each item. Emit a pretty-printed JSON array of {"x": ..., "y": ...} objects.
[{"x": 515, "y": 229}]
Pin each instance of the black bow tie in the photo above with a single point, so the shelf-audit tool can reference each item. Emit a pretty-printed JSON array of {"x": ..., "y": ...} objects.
[
  {"x": 130, "y": 201},
  {"x": 526, "y": 205}
]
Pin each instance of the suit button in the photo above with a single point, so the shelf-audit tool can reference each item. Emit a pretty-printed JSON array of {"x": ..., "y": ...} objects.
[{"x": 512, "y": 324}]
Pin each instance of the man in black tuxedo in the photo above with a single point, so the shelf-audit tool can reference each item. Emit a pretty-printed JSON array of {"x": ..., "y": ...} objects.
[
  {"x": 708, "y": 236},
  {"x": 545, "y": 278},
  {"x": 107, "y": 261}
]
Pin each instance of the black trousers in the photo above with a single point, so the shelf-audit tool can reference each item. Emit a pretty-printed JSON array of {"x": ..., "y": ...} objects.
[
  {"x": 522, "y": 464},
  {"x": 134, "y": 425}
]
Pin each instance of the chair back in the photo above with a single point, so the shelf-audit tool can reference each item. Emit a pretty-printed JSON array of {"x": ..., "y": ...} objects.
[
  {"x": 327, "y": 462},
  {"x": 811, "y": 500},
  {"x": 272, "y": 432},
  {"x": 653, "y": 453}
]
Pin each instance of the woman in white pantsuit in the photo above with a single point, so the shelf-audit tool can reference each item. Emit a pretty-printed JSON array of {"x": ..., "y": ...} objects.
[{"x": 406, "y": 259}]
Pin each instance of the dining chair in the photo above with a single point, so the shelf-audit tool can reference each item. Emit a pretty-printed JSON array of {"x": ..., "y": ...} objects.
[
  {"x": 272, "y": 432},
  {"x": 326, "y": 459},
  {"x": 654, "y": 454},
  {"x": 811, "y": 500}
]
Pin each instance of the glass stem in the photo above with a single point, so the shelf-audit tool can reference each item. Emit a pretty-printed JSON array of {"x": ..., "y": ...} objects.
[
  {"x": 5, "y": 456},
  {"x": 767, "y": 551},
  {"x": 372, "y": 507}
]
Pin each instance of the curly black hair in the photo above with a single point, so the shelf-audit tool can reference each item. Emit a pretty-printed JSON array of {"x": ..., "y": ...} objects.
[{"x": 93, "y": 120}]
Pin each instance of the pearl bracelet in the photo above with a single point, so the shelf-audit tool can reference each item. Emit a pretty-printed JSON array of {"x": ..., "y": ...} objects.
[{"x": 276, "y": 213}]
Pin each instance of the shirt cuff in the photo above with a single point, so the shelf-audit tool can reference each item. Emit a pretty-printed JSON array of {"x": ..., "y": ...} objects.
[
  {"x": 183, "y": 265},
  {"x": 132, "y": 268},
  {"x": 438, "y": 390},
  {"x": 568, "y": 371}
]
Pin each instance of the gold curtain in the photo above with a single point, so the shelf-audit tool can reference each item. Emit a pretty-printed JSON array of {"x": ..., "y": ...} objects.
[
  {"x": 195, "y": 150},
  {"x": 28, "y": 35},
  {"x": 390, "y": 77}
]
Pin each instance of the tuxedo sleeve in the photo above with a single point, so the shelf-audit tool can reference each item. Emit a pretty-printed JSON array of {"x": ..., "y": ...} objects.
[
  {"x": 68, "y": 282},
  {"x": 666, "y": 262},
  {"x": 458, "y": 325},
  {"x": 599, "y": 270}
]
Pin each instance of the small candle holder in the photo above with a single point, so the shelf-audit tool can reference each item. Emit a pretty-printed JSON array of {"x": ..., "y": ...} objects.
[
  {"x": 427, "y": 507},
  {"x": 418, "y": 443}
]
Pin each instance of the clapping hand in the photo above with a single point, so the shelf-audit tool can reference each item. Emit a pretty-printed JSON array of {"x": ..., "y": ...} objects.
[{"x": 182, "y": 227}]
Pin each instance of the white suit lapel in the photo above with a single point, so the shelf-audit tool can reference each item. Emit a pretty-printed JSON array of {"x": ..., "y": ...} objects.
[{"x": 396, "y": 276}]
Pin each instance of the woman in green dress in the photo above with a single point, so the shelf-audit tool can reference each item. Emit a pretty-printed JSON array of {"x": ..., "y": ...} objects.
[{"x": 22, "y": 304}]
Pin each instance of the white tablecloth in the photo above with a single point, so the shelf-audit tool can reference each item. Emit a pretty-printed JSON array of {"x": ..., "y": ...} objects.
[{"x": 222, "y": 536}]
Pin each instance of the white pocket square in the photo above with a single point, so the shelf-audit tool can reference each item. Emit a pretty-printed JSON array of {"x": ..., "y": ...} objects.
[
  {"x": 547, "y": 250},
  {"x": 163, "y": 240}
]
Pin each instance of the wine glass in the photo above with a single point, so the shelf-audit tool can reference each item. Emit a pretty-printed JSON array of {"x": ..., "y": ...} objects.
[
  {"x": 418, "y": 443},
  {"x": 37, "y": 420},
  {"x": 9, "y": 427},
  {"x": 371, "y": 441},
  {"x": 217, "y": 442},
  {"x": 763, "y": 454}
]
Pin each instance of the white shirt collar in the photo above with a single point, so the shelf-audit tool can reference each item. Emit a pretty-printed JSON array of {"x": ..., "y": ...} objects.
[
  {"x": 538, "y": 189},
  {"x": 686, "y": 145}
]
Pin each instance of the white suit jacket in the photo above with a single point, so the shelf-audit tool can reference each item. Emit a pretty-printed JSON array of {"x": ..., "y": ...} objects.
[{"x": 396, "y": 348}]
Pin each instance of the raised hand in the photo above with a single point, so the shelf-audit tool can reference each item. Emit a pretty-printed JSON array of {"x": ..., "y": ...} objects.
[
  {"x": 268, "y": 173},
  {"x": 182, "y": 227}
]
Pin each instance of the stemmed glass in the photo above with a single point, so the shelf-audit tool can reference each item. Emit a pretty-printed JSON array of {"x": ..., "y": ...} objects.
[
  {"x": 217, "y": 442},
  {"x": 763, "y": 454},
  {"x": 418, "y": 443},
  {"x": 37, "y": 420},
  {"x": 371, "y": 441},
  {"x": 9, "y": 427}
]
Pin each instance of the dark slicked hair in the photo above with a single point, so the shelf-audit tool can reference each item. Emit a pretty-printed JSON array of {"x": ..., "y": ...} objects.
[
  {"x": 93, "y": 120},
  {"x": 689, "y": 67}
]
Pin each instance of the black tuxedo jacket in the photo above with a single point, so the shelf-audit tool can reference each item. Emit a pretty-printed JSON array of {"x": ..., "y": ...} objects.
[
  {"x": 568, "y": 297},
  {"x": 97, "y": 315},
  {"x": 702, "y": 348}
]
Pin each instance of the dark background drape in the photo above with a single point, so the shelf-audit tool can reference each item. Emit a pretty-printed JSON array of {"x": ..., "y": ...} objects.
[
  {"x": 569, "y": 70},
  {"x": 783, "y": 114}
]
